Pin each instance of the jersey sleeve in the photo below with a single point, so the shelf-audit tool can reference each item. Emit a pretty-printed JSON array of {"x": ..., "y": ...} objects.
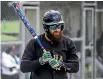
[
  {"x": 72, "y": 64},
  {"x": 29, "y": 63}
]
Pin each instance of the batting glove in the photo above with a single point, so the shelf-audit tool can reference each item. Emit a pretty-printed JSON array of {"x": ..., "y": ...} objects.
[
  {"x": 53, "y": 63},
  {"x": 45, "y": 58},
  {"x": 56, "y": 63}
]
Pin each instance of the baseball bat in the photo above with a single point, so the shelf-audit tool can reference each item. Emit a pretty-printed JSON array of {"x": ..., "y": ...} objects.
[{"x": 27, "y": 24}]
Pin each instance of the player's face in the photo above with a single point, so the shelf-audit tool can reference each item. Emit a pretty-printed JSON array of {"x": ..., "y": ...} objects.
[{"x": 55, "y": 31}]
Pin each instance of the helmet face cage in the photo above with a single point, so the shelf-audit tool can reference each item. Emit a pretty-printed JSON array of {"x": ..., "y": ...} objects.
[{"x": 52, "y": 17}]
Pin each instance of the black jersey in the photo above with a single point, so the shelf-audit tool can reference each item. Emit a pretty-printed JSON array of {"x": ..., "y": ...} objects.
[{"x": 63, "y": 47}]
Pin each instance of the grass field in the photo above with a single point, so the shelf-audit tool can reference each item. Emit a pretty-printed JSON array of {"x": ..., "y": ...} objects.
[{"x": 9, "y": 27}]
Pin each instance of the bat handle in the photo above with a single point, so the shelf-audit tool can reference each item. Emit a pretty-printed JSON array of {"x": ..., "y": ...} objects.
[{"x": 44, "y": 50}]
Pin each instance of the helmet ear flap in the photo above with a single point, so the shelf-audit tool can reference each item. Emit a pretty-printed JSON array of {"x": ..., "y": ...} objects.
[
  {"x": 62, "y": 27},
  {"x": 45, "y": 27}
]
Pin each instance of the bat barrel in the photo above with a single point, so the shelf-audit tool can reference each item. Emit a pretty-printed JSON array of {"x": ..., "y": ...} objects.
[
  {"x": 24, "y": 19},
  {"x": 27, "y": 24}
]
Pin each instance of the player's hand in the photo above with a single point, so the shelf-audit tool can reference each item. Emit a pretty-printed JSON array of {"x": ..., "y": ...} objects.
[
  {"x": 56, "y": 63},
  {"x": 60, "y": 62},
  {"x": 45, "y": 58},
  {"x": 53, "y": 63}
]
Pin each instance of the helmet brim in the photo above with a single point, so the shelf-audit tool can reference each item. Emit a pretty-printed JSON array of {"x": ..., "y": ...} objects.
[{"x": 53, "y": 23}]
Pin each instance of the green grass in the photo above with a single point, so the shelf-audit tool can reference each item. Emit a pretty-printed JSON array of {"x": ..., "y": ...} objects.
[
  {"x": 6, "y": 37},
  {"x": 10, "y": 27}
]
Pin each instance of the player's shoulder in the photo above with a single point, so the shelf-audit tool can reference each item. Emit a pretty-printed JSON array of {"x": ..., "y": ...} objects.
[
  {"x": 66, "y": 38},
  {"x": 41, "y": 36}
]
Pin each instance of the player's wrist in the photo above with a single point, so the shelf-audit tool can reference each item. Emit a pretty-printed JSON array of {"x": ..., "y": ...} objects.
[{"x": 41, "y": 61}]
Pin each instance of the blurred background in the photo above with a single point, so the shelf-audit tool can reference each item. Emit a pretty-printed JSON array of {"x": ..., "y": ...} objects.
[{"x": 83, "y": 24}]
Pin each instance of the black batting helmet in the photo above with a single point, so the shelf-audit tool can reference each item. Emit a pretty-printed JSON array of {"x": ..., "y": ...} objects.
[{"x": 52, "y": 17}]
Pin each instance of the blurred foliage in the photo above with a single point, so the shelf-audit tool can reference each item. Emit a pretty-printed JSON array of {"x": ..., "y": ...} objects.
[{"x": 10, "y": 30}]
